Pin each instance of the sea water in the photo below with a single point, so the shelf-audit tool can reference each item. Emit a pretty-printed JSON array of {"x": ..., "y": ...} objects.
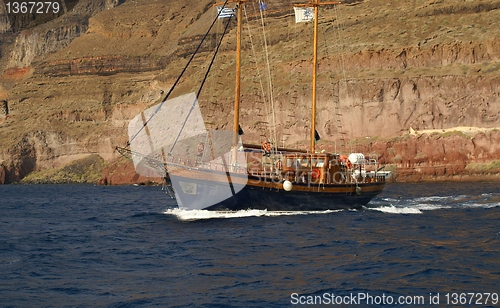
[{"x": 94, "y": 246}]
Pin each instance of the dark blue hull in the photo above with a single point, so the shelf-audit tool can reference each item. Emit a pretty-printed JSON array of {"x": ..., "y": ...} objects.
[
  {"x": 272, "y": 197},
  {"x": 281, "y": 200}
]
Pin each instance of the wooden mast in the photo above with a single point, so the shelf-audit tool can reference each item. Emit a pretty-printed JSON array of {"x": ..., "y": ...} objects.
[
  {"x": 314, "y": 81},
  {"x": 237, "y": 87},
  {"x": 315, "y": 4}
]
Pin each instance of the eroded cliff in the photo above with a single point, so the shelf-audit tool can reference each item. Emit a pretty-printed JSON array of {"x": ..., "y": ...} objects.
[{"x": 72, "y": 85}]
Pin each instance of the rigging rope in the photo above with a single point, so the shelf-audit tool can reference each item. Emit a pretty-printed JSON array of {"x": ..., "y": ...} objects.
[
  {"x": 201, "y": 86},
  {"x": 270, "y": 83},
  {"x": 254, "y": 53},
  {"x": 268, "y": 109},
  {"x": 180, "y": 76},
  {"x": 294, "y": 70},
  {"x": 343, "y": 80}
]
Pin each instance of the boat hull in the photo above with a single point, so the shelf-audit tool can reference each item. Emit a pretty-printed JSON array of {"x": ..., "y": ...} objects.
[
  {"x": 281, "y": 200},
  {"x": 272, "y": 197}
]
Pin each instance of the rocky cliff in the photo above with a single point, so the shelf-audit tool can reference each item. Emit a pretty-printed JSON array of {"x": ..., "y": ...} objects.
[{"x": 388, "y": 71}]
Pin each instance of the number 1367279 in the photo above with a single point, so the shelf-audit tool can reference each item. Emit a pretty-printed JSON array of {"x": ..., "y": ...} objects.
[
  {"x": 32, "y": 7},
  {"x": 472, "y": 298}
]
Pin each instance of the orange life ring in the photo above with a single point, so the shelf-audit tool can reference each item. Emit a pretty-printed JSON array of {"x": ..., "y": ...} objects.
[
  {"x": 346, "y": 161},
  {"x": 316, "y": 173},
  {"x": 201, "y": 147},
  {"x": 266, "y": 146}
]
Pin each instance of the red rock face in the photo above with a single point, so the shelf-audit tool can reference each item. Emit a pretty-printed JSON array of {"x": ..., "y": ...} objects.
[
  {"x": 425, "y": 157},
  {"x": 122, "y": 172},
  {"x": 16, "y": 73},
  {"x": 431, "y": 157}
]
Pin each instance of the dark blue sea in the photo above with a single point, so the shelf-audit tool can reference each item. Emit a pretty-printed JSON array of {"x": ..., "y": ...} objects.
[{"x": 94, "y": 246}]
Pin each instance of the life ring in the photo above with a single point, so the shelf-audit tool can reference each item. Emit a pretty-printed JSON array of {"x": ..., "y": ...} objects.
[
  {"x": 316, "y": 173},
  {"x": 278, "y": 164},
  {"x": 266, "y": 146},
  {"x": 346, "y": 161},
  {"x": 201, "y": 147}
]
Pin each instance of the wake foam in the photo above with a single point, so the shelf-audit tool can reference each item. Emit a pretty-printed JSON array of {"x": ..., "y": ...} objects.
[
  {"x": 204, "y": 214},
  {"x": 432, "y": 203},
  {"x": 483, "y": 205},
  {"x": 396, "y": 210},
  {"x": 389, "y": 205}
]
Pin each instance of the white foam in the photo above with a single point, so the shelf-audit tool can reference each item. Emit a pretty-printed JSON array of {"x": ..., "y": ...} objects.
[
  {"x": 432, "y": 207},
  {"x": 435, "y": 198},
  {"x": 415, "y": 206},
  {"x": 483, "y": 205},
  {"x": 420, "y": 207},
  {"x": 397, "y": 210},
  {"x": 204, "y": 214}
]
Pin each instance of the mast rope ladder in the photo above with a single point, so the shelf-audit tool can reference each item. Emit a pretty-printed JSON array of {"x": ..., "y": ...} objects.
[
  {"x": 268, "y": 99},
  {"x": 342, "y": 81},
  {"x": 270, "y": 83}
]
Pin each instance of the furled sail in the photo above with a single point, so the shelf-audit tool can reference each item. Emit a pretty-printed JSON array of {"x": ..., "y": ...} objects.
[
  {"x": 153, "y": 132},
  {"x": 171, "y": 137}
]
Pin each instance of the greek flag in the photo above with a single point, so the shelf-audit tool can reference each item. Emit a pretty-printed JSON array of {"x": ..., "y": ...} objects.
[
  {"x": 304, "y": 14},
  {"x": 225, "y": 12}
]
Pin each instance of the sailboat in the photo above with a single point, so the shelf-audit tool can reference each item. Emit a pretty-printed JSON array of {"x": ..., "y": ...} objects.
[{"x": 215, "y": 170}]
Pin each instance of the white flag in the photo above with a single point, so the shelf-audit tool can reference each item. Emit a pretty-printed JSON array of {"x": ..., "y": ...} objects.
[
  {"x": 225, "y": 12},
  {"x": 304, "y": 14}
]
